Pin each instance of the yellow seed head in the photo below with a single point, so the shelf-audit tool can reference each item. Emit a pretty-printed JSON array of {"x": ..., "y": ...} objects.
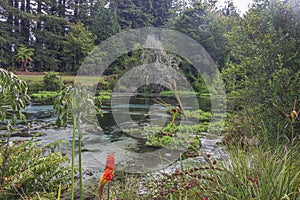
[{"x": 294, "y": 115}]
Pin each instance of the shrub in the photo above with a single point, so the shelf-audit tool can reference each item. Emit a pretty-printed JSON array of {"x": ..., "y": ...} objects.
[
  {"x": 260, "y": 174},
  {"x": 52, "y": 81},
  {"x": 35, "y": 86},
  {"x": 28, "y": 168}
]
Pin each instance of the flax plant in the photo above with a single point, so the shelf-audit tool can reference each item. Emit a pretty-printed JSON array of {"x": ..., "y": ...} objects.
[{"x": 260, "y": 174}]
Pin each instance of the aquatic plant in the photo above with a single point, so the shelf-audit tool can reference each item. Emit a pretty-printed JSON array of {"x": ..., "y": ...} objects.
[{"x": 44, "y": 97}]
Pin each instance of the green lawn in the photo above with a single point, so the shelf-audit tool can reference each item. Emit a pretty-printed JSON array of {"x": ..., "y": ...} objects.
[{"x": 88, "y": 80}]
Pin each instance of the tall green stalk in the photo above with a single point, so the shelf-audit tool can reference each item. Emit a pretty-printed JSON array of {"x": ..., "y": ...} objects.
[
  {"x": 292, "y": 137},
  {"x": 79, "y": 159},
  {"x": 73, "y": 159}
]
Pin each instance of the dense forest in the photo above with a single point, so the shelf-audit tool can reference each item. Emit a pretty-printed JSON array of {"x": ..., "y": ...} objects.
[{"x": 61, "y": 33}]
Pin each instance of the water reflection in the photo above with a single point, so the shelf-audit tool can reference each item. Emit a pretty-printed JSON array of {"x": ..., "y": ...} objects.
[{"x": 131, "y": 152}]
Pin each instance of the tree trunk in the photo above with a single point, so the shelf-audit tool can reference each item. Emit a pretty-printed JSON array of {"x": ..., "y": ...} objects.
[{"x": 24, "y": 64}]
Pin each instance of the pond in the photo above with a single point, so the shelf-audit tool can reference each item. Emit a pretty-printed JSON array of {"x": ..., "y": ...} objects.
[{"x": 131, "y": 153}]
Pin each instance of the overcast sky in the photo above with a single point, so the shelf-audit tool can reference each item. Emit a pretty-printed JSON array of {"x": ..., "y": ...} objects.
[{"x": 242, "y": 5}]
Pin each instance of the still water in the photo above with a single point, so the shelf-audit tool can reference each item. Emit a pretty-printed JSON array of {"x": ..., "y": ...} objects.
[{"x": 131, "y": 153}]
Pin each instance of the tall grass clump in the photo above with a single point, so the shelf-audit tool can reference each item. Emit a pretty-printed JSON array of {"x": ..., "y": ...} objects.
[
  {"x": 255, "y": 174},
  {"x": 261, "y": 174}
]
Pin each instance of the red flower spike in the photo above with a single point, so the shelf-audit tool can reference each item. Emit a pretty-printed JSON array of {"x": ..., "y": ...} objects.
[
  {"x": 107, "y": 175},
  {"x": 109, "y": 170},
  {"x": 110, "y": 162}
]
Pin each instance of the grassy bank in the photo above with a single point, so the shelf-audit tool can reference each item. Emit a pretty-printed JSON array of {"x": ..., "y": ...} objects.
[{"x": 88, "y": 80}]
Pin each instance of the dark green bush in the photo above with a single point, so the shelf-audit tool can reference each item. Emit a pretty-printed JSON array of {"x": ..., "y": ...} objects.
[
  {"x": 35, "y": 86},
  {"x": 52, "y": 81}
]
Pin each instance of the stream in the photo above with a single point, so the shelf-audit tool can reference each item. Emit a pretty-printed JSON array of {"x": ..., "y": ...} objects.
[{"x": 131, "y": 153}]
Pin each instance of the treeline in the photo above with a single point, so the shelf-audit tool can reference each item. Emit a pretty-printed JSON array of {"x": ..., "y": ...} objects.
[{"x": 60, "y": 33}]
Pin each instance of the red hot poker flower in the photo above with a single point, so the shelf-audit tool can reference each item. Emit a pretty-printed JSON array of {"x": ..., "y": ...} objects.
[
  {"x": 109, "y": 169},
  {"x": 107, "y": 175}
]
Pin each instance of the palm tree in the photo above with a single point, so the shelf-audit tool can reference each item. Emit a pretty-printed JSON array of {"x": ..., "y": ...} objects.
[{"x": 24, "y": 56}]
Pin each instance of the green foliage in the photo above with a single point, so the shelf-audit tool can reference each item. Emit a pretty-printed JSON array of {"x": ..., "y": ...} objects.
[
  {"x": 23, "y": 56},
  {"x": 103, "y": 22},
  {"x": 13, "y": 96},
  {"x": 194, "y": 129},
  {"x": 105, "y": 95},
  {"x": 105, "y": 83},
  {"x": 79, "y": 42},
  {"x": 76, "y": 102},
  {"x": 170, "y": 93},
  {"x": 207, "y": 25},
  {"x": 133, "y": 15},
  {"x": 63, "y": 106},
  {"x": 262, "y": 78},
  {"x": 260, "y": 173},
  {"x": 158, "y": 141},
  {"x": 184, "y": 137},
  {"x": 198, "y": 83},
  {"x": 26, "y": 167},
  {"x": 52, "y": 81},
  {"x": 31, "y": 169},
  {"x": 198, "y": 114},
  {"x": 44, "y": 97},
  {"x": 176, "y": 136},
  {"x": 35, "y": 86}
]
